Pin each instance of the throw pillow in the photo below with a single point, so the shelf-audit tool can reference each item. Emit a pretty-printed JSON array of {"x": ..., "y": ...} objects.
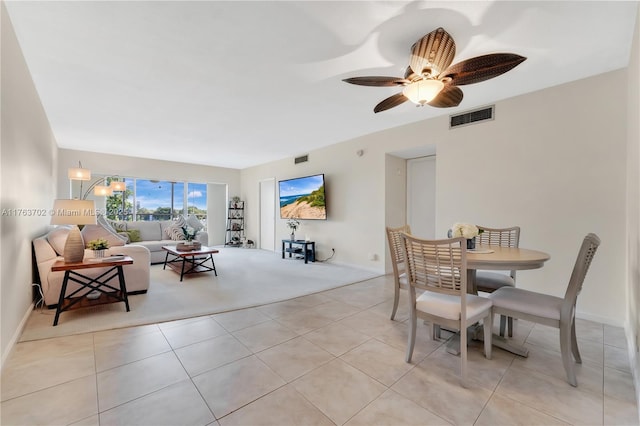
[
  {"x": 134, "y": 236},
  {"x": 93, "y": 232},
  {"x": 57, "y": 237},
  {"x": 194, "y": 222},
  {"x": 117, "y": 225},
  {"x": 101, "y": 220},
  {"x": 125, "y": 234},
  {"x": 174, "y": 232}
]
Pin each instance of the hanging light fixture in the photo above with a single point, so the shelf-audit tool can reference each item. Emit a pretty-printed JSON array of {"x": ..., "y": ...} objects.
[
  {"x": 422, "y": 91},
  {"x": 101, "y": 191},
  {"x": 79, "y": 173},
  {"x": 117, "y": 186}
]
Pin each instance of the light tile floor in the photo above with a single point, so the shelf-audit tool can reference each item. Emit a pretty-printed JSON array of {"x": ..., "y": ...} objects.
[{"x": 332, "y": 358}]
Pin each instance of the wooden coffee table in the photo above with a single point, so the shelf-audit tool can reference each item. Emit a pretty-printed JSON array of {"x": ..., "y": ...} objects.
[{"x": 190, "y": 262}]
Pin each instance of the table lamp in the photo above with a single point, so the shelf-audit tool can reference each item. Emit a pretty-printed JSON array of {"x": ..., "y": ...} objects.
[{"x": 73, "y": 212}]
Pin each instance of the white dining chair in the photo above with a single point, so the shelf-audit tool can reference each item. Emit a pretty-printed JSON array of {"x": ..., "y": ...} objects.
[
  {"x": 550, "y": 310},
  {"x": 489, "y": 281},
  {"x": 439, "y": 267},
  {"x": 394, "y": 239}
]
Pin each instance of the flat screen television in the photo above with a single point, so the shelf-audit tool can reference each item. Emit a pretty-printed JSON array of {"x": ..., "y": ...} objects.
[{"x": 303, "y": 198}]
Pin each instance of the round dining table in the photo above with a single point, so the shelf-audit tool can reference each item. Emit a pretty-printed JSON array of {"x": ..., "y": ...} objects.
[
  {"x": 487, "y": 257},
  {"x": 501, "y": 258}
]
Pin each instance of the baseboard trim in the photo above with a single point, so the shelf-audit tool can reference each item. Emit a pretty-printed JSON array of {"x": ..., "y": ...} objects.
[
  {"x": 599, "y": 318},
  {"x": 16, "y": 336}
]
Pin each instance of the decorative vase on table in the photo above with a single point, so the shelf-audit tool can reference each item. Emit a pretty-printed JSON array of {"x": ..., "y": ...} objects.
[
  {"x": 292, "y": 236},
  {"x": 465, "y": 230},
  {"x": 471, "y": 243},
  {"x": 99, "y": 253}
]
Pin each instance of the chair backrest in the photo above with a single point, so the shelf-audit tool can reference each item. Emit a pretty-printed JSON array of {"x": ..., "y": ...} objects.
[
  {"x": 583, "y": 261},
  {"x": 436, "y": 265},
  {"x": 394, "y": 236},
  {"x": 503, "y": 237}
]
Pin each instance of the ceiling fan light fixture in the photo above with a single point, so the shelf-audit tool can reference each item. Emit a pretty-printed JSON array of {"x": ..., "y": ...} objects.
[{"x": 423, "y": 91}]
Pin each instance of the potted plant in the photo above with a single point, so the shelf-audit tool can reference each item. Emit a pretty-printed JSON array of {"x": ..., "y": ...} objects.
[
  {"x": 235, "y": 200},
  {"x": 99, "y": 246}
]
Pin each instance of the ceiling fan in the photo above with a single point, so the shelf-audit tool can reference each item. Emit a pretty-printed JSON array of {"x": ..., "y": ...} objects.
[{"x": 431, "y": 79}]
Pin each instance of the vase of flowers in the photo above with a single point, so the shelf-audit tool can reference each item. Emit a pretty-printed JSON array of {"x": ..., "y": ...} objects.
[
  {"x": 99, "y": 247},
  {"x": 189, "y": 235},
  {"x": 293, "y": 224},
  {"x": 465, "y": 230}
]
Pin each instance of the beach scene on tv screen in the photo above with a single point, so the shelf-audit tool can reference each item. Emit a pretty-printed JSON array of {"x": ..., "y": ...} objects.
[{"x": 303, "y": 198}]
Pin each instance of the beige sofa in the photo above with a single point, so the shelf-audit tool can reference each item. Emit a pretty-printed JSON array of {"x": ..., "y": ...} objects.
[
  {"x": 136, "y": 275},
  {"x": 154, "y": 235}
]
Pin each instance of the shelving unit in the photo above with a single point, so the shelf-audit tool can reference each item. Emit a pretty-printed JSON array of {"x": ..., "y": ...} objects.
[{"x": 235, "y": 224}]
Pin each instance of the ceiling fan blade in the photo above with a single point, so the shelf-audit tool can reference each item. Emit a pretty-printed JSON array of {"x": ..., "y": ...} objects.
[
  {"x": 377, "y": 81},
  {"x": 450, "y": 96},
  {"x": 433, "y": 53},
  {"x": 390, "y": 102},
  {"x": 481, "y": 68}
]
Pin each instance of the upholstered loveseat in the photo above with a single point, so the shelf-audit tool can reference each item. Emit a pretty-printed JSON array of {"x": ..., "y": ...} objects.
[{"x": 49, "y": 248}]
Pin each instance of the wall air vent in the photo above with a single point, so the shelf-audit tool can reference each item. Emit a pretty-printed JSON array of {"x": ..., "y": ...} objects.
[
  {"x": 471, "y": 117},
  {"x": 301, "y": 159}
]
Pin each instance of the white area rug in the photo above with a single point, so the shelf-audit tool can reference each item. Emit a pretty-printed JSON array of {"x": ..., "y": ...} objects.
[{"x": 246, "y": 278}]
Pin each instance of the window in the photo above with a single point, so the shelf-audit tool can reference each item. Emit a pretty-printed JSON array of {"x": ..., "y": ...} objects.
[
  {"x": 120, "y": 204},
  {"x": 148, "y": 199}
]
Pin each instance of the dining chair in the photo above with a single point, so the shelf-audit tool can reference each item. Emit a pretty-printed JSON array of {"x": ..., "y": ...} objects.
[
  {"x": 439, "y": 267},
  {"x": 487, "y": 281},
  {"x": 550, "y": 310},
  {"x": 397, "y": 261}
]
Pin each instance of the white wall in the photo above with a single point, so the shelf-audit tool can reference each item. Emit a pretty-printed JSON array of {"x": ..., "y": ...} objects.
[
  {"x": 122, "y": 165},
  {"x": 354, "y": 190},
  {"x": 556, "y": 167},
  {"x": 421, "y": 196},
  {"x": 558, "y": 172},
  {"x": 28, "y": 180},
  {"x": 396, "y": 199},
  {"x": 633, "y": 204}
]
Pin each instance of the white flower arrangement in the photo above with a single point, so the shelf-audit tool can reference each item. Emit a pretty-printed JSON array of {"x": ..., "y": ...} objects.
[
  {"x": 189, "y": 233},
  {"x": 293, "y": 224},
  {"x": 466, "y": 230}
]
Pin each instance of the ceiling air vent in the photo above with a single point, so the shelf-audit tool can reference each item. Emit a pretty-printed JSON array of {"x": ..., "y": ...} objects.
[
  {"x": 301, "y": 159},
  {"x": 471, "y": 117}
]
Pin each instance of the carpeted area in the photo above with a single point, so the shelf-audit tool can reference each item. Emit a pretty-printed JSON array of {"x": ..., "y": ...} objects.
[{"x": 246, "y": 278}]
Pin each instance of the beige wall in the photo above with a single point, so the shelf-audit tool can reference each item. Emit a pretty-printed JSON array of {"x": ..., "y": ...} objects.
[
  {"x": 28, "y": 181},
  {"x": 552, "y": 162},
  {"x": 633, "y": 202}
]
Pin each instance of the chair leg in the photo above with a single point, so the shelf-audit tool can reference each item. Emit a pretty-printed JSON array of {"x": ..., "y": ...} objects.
[
  {"x": 412, "y": 334},
  {"x": 435, "y": 331},
  {"x": 565, "y": 349},
  {"x": 503, "y": 324},
  {"x": 574, "y": 343},
  {"x": 463, "y": 355},
  {"x": 487, "y": 324},
  {"x": 396, "y": 298},
  {"x": 506, "y": 322}
]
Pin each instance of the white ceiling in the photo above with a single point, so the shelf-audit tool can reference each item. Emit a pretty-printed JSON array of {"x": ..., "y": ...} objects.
[{"x": 235, "y": 84}]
